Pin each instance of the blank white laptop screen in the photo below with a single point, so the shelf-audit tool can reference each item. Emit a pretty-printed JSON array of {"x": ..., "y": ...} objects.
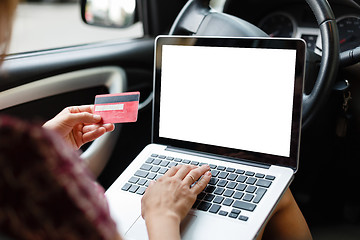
[{"x": 200, "y": 84}]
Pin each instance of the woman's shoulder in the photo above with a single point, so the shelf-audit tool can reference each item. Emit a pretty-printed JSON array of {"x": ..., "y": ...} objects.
[{"x": 48, "y": 186}]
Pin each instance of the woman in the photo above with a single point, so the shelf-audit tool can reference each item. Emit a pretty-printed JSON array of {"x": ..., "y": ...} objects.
[{"x": 48, "y": 193}]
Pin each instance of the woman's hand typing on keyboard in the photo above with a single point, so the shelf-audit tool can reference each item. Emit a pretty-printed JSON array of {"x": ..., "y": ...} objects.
[{"x": 167, "y": 201}]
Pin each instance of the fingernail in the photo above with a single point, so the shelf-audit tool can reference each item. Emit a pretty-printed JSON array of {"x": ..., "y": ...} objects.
[
  {"x": 206, "y": 166},
  {"x": 97, "y": 117},
  {"x": 108, "y": 126}
]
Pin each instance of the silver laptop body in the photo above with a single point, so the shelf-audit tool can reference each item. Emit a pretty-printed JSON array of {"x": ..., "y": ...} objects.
[{"x": 232, "y": 103}]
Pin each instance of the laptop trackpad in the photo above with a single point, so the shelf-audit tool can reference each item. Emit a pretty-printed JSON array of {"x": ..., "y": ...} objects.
[
  {"x": 187, "y": 227},
  {"x": 138, "y": 230}
]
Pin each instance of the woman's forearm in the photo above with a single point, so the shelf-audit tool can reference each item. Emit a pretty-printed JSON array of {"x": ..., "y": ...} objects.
[{"x": 167, "y": 228}]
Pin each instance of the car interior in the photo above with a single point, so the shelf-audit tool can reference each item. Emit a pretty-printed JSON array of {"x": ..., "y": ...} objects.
[{"x": 37, "y": 85}]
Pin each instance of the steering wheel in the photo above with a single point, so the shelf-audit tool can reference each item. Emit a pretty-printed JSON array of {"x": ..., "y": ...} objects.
[{"x": 197, "y": 18}]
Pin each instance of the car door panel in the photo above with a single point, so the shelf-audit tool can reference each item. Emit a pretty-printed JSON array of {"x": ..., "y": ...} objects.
[
  {"x": 24, "y": 68},
  {"x": 113, "y": 78},
  {"x": 36, "y": 86}
]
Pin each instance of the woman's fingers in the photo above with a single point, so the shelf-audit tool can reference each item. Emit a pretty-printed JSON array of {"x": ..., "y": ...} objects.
[
  {"x": 189, "y": 174},
  {"x": 195, "y": 174},
  {"x": 107, "y": 126},
  {"x": 184, "y": 170},
  {"x": 91, "y": 136},
  {"x": 201, "y": 184},
  {"x": 172, "y": 171},
  {"x": 79, "y": 109}
]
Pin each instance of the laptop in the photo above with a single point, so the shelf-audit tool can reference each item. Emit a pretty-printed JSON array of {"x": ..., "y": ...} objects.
[{"x": 234, "y": 104}]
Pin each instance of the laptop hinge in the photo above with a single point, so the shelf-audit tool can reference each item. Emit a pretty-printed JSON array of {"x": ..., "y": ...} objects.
[{"x": 217, "y": 157}]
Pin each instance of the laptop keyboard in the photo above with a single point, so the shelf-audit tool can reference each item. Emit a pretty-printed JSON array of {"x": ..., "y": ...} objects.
[{"x": 231, "y": 192}]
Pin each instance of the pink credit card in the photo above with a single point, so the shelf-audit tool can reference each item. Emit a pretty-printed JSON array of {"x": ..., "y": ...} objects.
[{"x": 117, "y": 108}]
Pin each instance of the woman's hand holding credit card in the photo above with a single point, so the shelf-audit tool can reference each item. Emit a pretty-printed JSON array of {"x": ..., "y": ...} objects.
[{"x": 117, "y": 108}]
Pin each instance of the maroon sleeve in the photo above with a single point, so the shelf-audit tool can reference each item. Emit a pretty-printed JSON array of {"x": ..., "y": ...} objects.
[{"x": 46, "y": 190}]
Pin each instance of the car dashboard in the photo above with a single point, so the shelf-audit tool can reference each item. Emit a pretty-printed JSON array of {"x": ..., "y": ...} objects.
[{"x": 294, "y": 19}]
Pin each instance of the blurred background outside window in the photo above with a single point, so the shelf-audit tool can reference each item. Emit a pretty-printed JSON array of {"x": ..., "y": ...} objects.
[{"x": 49, "y": 24}]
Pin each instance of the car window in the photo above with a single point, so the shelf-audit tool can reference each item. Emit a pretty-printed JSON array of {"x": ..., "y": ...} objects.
[
  {"x": 48, "y": 24},
  {"x": 218, "y": 5}
]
